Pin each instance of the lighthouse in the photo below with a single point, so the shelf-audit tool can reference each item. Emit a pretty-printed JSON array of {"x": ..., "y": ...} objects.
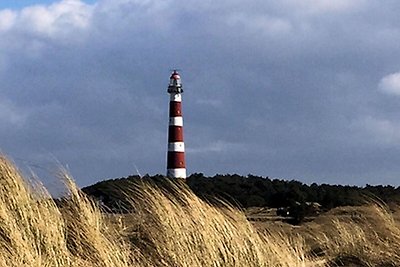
[{"x": 176, "y": 167}]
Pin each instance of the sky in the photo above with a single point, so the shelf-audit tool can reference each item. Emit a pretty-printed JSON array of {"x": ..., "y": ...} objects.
[
  {"x": 18, "y": 4},
  {"x": 305, "y": 90}
]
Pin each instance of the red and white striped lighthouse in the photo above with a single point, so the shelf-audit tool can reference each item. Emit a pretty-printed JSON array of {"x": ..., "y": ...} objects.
[{"x": 176, "y": 167}]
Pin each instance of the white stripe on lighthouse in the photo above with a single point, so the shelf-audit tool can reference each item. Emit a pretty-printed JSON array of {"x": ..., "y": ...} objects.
[
  {"x": 176, "y": 147},
  {"x": 177, "y": 173},
  {"x": 176, "y": 121},
  {"x": 176, "y": 97}
]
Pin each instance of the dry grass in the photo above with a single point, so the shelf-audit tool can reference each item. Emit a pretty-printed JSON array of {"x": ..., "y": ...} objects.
[
  {"x": 35, "y": 232},
  {"x": 182, "y": 230},
  {"x": 172, "y": 227},
  {"x": 366, "y": 236}
]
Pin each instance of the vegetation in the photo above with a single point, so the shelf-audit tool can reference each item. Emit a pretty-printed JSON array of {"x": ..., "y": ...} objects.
[
  {"x": 252, "y": 191},
  {"x": 34, "y": 231},
  {"x": 168, "y": 225}
]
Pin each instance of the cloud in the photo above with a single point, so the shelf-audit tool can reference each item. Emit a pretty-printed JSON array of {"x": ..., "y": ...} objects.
[
  {"x": 217, "y": 147},
  {"x": 35, "y": 28},
  {"x": 382, "y": 131},
  {"x": 260, "y": 24},
  {"x": 390, "y": 84},
  {"x": 11, "y": 116},
  {"x": 7, "y": 19},
  {"x": 325, "y": 6},
  {"x": 56, "y": 19}
]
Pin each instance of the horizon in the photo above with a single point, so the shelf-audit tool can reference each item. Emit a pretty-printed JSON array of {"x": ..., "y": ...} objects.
[{"x": 361, "y": 186}]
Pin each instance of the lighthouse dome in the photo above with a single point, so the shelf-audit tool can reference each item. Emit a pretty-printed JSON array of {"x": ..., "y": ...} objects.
[{"x": 175, "y": 85}]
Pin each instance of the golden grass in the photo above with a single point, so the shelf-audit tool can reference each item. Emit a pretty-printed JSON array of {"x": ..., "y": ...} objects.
[
  {"x": 367, "y": 235},
  {"x": 35, "y": 232},
  {"x": 183, "y": 230},
  {"x": 170, "y": 226}
]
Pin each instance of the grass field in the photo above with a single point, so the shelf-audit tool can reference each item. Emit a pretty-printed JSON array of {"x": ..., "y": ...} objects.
[{"x": 170, "y": 226}]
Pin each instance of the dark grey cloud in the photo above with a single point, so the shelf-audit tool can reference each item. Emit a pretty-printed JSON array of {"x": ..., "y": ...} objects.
[{"x": 289, "y": 89}]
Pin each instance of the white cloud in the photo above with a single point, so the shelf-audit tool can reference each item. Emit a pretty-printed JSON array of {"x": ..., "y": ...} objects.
[
  {"x": 33, "y": 29},
  {"x": 7, "y": 19},
  {"x": 64, "y": 19},
  {"x": 390, "y": 84}
]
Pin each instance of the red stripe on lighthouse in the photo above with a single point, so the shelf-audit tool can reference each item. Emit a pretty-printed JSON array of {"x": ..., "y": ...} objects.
[
  {"x": 175, "y": 134},
  {"x": 175, "y": 109},
  {"x": 176, "y": 160}
]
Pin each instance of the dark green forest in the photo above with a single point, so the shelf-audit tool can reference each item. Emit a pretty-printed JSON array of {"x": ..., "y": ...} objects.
[{"x": 250, "y": 191}]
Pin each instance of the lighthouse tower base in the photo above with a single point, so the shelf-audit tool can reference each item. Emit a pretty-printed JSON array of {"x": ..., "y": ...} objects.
[{"x": 176, "y": 173}]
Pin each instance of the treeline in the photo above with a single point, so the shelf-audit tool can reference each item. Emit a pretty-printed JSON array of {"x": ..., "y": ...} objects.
[{"x": 252, "y": 191}]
